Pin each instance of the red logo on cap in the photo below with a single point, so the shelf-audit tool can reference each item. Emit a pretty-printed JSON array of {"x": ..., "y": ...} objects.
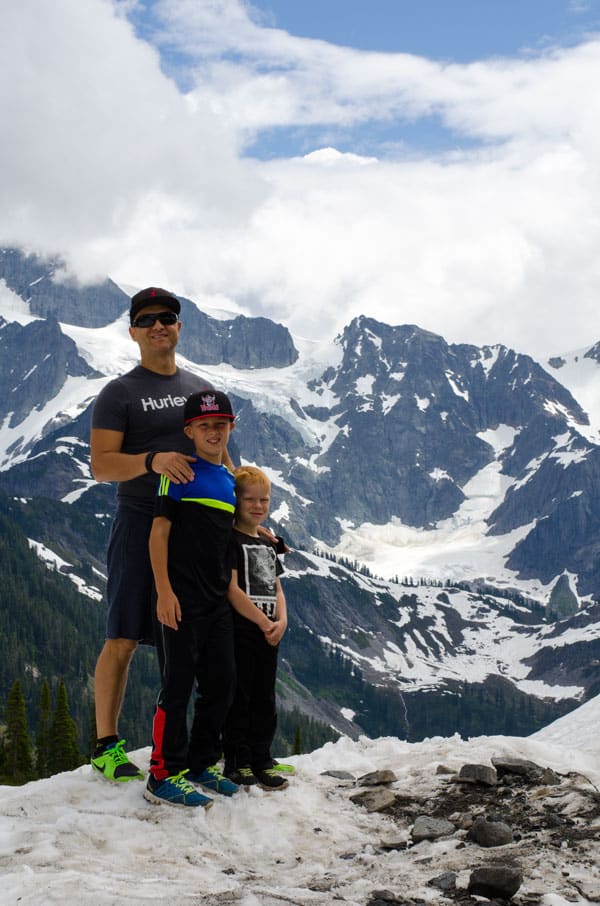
[{"x": 209, "y": 403}]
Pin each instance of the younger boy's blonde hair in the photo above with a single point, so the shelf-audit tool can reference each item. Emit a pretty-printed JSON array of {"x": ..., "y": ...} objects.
[{"x": 245, "y": 475}]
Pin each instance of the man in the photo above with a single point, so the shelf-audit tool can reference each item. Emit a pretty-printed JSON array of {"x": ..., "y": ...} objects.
[{"x": 136, "y": 436}]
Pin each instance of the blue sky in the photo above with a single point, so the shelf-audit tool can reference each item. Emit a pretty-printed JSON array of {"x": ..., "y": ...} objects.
[
  {"x": 432, "y": 162},
  {"x": 460, "y": 30},
  {"x": 452, "y": 31}
]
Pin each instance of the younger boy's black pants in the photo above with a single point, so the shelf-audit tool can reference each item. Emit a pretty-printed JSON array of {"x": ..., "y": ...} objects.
[{"x": 252, "y": 719}]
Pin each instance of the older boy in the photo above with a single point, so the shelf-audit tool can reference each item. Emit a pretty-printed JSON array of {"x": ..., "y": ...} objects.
[
  {"x": 260, "y": 620},
  {"x": 189, "y": 544}
]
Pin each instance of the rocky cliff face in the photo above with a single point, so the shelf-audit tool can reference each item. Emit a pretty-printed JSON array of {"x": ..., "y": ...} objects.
[
  {"x": 39, "y": 282},
  {"x": 241, "y": 342},
  {"x": 35, "y": 362}
]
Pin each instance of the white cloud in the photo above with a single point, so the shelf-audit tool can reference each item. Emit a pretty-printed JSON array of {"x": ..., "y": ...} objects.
[
  {"x": 108, "y": 160},
  {"x": 98, "y": 143}
]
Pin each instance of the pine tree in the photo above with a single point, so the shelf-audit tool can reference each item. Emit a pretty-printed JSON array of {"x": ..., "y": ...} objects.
[
  {"x": 297, "y": 750},
  {"x": 42, "y": 740},
  {"x": 64, "y": 753},
  {"x": 18, "y": 761}
]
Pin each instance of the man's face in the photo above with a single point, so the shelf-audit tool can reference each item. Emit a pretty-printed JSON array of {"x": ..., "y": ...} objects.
[
  {"x": 252, "y": 504},
  {"x": 210, "y": 436},
  {"x": 156, "y": 337}
]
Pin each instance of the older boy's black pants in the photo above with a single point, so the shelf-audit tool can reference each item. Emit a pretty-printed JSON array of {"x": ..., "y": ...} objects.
[
  {"x": 200, "y": 650},
  {"x": 252, "y": 719}
]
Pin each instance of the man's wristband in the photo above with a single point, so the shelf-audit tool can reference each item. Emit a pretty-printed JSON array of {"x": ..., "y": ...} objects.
[{"x": 148, "y": 460}]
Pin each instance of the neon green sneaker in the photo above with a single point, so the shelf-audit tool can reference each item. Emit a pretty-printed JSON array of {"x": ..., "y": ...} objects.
[
  {"x": 282, "y": 768},
  {"x": 112, "y": 762}
]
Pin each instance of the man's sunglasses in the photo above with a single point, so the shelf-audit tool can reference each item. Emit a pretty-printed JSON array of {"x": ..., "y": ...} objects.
[{"x": 165, "y": 317}]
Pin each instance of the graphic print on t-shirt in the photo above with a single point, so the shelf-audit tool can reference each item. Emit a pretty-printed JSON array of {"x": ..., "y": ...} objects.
[{"x": 259, "y": 576}]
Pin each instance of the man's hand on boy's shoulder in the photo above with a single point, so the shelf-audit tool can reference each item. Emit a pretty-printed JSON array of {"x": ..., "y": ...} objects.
[{"x": 176, "y": 466}]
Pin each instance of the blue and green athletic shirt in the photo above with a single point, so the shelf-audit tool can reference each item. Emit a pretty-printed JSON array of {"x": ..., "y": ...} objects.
[{"x": 201, "y": 512}]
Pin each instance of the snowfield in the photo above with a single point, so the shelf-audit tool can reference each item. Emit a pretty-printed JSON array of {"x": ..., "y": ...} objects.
[{"x": 76, "y": 840}]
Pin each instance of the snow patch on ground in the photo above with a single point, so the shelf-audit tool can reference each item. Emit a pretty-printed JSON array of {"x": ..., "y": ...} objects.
[{"x": 76, "y": 840}]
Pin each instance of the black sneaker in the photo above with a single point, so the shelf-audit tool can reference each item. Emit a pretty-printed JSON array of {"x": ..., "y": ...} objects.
[
  {"x": 241, "y": 776},
  {"x": 270, "y": 779}
]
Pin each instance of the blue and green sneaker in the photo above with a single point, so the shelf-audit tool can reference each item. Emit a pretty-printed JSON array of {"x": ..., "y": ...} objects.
[
  {"x": 112, "y": 762},
  {"x": 175, "y": 790},
  {"x": 213, "y": 781}
]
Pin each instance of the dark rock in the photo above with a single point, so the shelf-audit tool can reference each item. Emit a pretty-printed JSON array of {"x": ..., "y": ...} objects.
[
  {"x": 387, "y": 898},
  {"x": 495, "y": 881},
  {"x": 374, "y": 799},
  {"x": 445, "y": 881},
  {"x": 426, "y": 828},
  {"x": 377, "y": 778},
  {"x": 548, "y": 777},
  {"x": 490, "y": 833},
  {"x": 478, "y": 773},
  {"x": 507, "y": 765}
]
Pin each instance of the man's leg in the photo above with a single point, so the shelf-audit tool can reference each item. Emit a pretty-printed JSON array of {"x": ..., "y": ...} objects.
[
  {"x": 129, "y": 619},
  {"x": 112, "y": 668},
  {"x": 110, "y": 681}
]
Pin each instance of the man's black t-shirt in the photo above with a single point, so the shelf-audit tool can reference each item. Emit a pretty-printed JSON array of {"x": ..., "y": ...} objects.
[{"x": 148, "y": 409}]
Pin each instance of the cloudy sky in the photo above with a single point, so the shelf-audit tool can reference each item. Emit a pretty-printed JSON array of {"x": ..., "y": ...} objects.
[{"x": 418, "y": 161}]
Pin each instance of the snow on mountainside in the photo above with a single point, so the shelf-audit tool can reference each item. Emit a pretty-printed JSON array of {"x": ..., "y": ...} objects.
[
  {"x": 411, "y": 636},
  {"x": 580, "y": 372},
  {"x": 76, "y": 840}
]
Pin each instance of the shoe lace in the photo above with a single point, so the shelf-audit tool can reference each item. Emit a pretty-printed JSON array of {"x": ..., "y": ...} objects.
[
  {"x": 117, "y": 753},
  {"x": 245, "y": 772},
  {"x": 214, "y": 771},
  {"x": 180, "y": 781}
]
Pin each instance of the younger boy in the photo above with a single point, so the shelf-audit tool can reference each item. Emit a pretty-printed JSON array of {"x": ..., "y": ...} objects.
[
  {"x": 189, "y": 544},
  {"x": 260, "y": 620}
]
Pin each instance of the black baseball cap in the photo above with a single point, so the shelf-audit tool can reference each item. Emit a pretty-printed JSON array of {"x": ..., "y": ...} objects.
[
  {"x": 207, "y": 404},
  {"x": 153, "y": 295}
]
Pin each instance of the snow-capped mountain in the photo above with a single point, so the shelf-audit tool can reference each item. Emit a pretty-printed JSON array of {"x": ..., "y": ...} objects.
[{"x": 388, "y": 448}]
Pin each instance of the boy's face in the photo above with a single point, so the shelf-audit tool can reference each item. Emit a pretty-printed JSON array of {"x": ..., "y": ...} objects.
[
  {"x": 210, "y": 436},
  {"x": 252, "y": 505}
]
